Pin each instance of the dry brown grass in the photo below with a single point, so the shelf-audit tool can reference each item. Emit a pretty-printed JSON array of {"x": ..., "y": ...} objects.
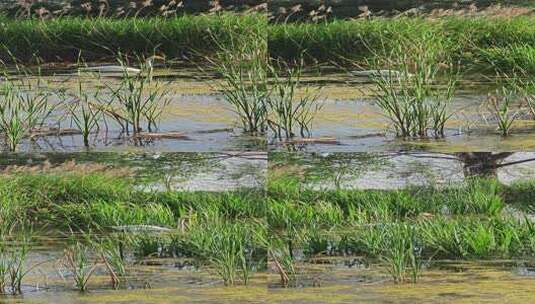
[
  {"x": 68, "y": 167},
  {"x": 474, "y": 11}
]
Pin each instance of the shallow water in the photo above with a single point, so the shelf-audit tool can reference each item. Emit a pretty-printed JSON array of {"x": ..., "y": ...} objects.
[
  {"x": 321, "y": 280},
  {"x": 149, "y": 281},
  {"x": 390, "y": 171},
  {"x": 442, "y": 282},
  {"x": 197, "y": 111},
  {"x": 350, "y": 117}
]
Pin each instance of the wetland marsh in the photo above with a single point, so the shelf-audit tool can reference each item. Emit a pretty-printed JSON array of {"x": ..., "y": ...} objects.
[
  {"x": 303, "y": 233},
  {"x": 347, "y": 151}
]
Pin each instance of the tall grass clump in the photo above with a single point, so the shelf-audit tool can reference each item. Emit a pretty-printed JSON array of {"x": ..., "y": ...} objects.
[
  {"x": 514, "y": 57},
  {"x": 77, "y": 260},
  {"x": 231, "y": 248},
  {"x": 23, "y": 108},
  {"x": 414, "y": 92},
  {"x": 112, "y": 255},
  {"x": 14, "y": 249},
  {"x": 289, "y": 113},
  {"x": 83, "y": 112},
  {"x": 283, "y": 261},
  {"x": 241, "y": 61},
  {"x": 138, "y": 99},
  {"x": 505, "y": 108},
  {"x": 401, "y": 253}
]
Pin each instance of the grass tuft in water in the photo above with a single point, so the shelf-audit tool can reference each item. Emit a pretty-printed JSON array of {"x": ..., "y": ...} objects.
[
  {"x": 287, "y": 112},
  {"x": 14, "y": 251},
  {"x": 23, "y": 108},
  {"x": 401, "y": 253},
  {"x": 409, "y": 91},
  {"x": 503, "y": 105},
  {"x": 77, "y": 260},
  {"x": 241, "y": 61},
  {"x": 228, "y": 247},
  {"x": 138, "y": 99},
  {"x": 83, "y": 112}
]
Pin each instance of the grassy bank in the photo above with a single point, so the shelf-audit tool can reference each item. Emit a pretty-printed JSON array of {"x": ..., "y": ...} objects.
[
  {"x": 407, "y": 228},
  {"x": 100, "y": 201},
  {"x": 236, "y": 233},
  {"x": 98, "y": 39},
  {"x": 104, "y": 217},
  {"x": 487, "y": 44},
  {"x": 483, "y": 43}
]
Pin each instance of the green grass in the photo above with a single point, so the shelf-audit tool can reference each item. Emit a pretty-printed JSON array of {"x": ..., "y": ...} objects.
[
  {"x": 98, "y": 200},
  {"x": 231, "y": 233},
  {"x": 224, "y": 231},
  {"x": 102, "y": 38},
  {"x": 476, "y": 43},
  {"x": 461, "y": 222},
  {"x": 481, "y": 44}
]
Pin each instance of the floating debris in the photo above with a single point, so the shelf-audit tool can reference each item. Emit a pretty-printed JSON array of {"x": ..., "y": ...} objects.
[
  {"x": 141, "y": 228},
  {"x": 378, "y": 73},
  {"x": 165, "y": 135},
  {"x": 50, "y": 131},
  {"x": 320, "y": 140}
]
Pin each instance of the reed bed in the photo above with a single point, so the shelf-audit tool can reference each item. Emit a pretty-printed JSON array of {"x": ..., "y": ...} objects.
[
  {"x": 477, "y": 43},
  {"x": 30, "y": 107},
  {"x": 403, "y": 230},
  {"x": 235, "y": 234},
  {"x": 61, "y": 39}
]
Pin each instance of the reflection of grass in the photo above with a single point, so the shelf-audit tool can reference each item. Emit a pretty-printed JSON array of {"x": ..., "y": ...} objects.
[{"x": 327, "y": 167}]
